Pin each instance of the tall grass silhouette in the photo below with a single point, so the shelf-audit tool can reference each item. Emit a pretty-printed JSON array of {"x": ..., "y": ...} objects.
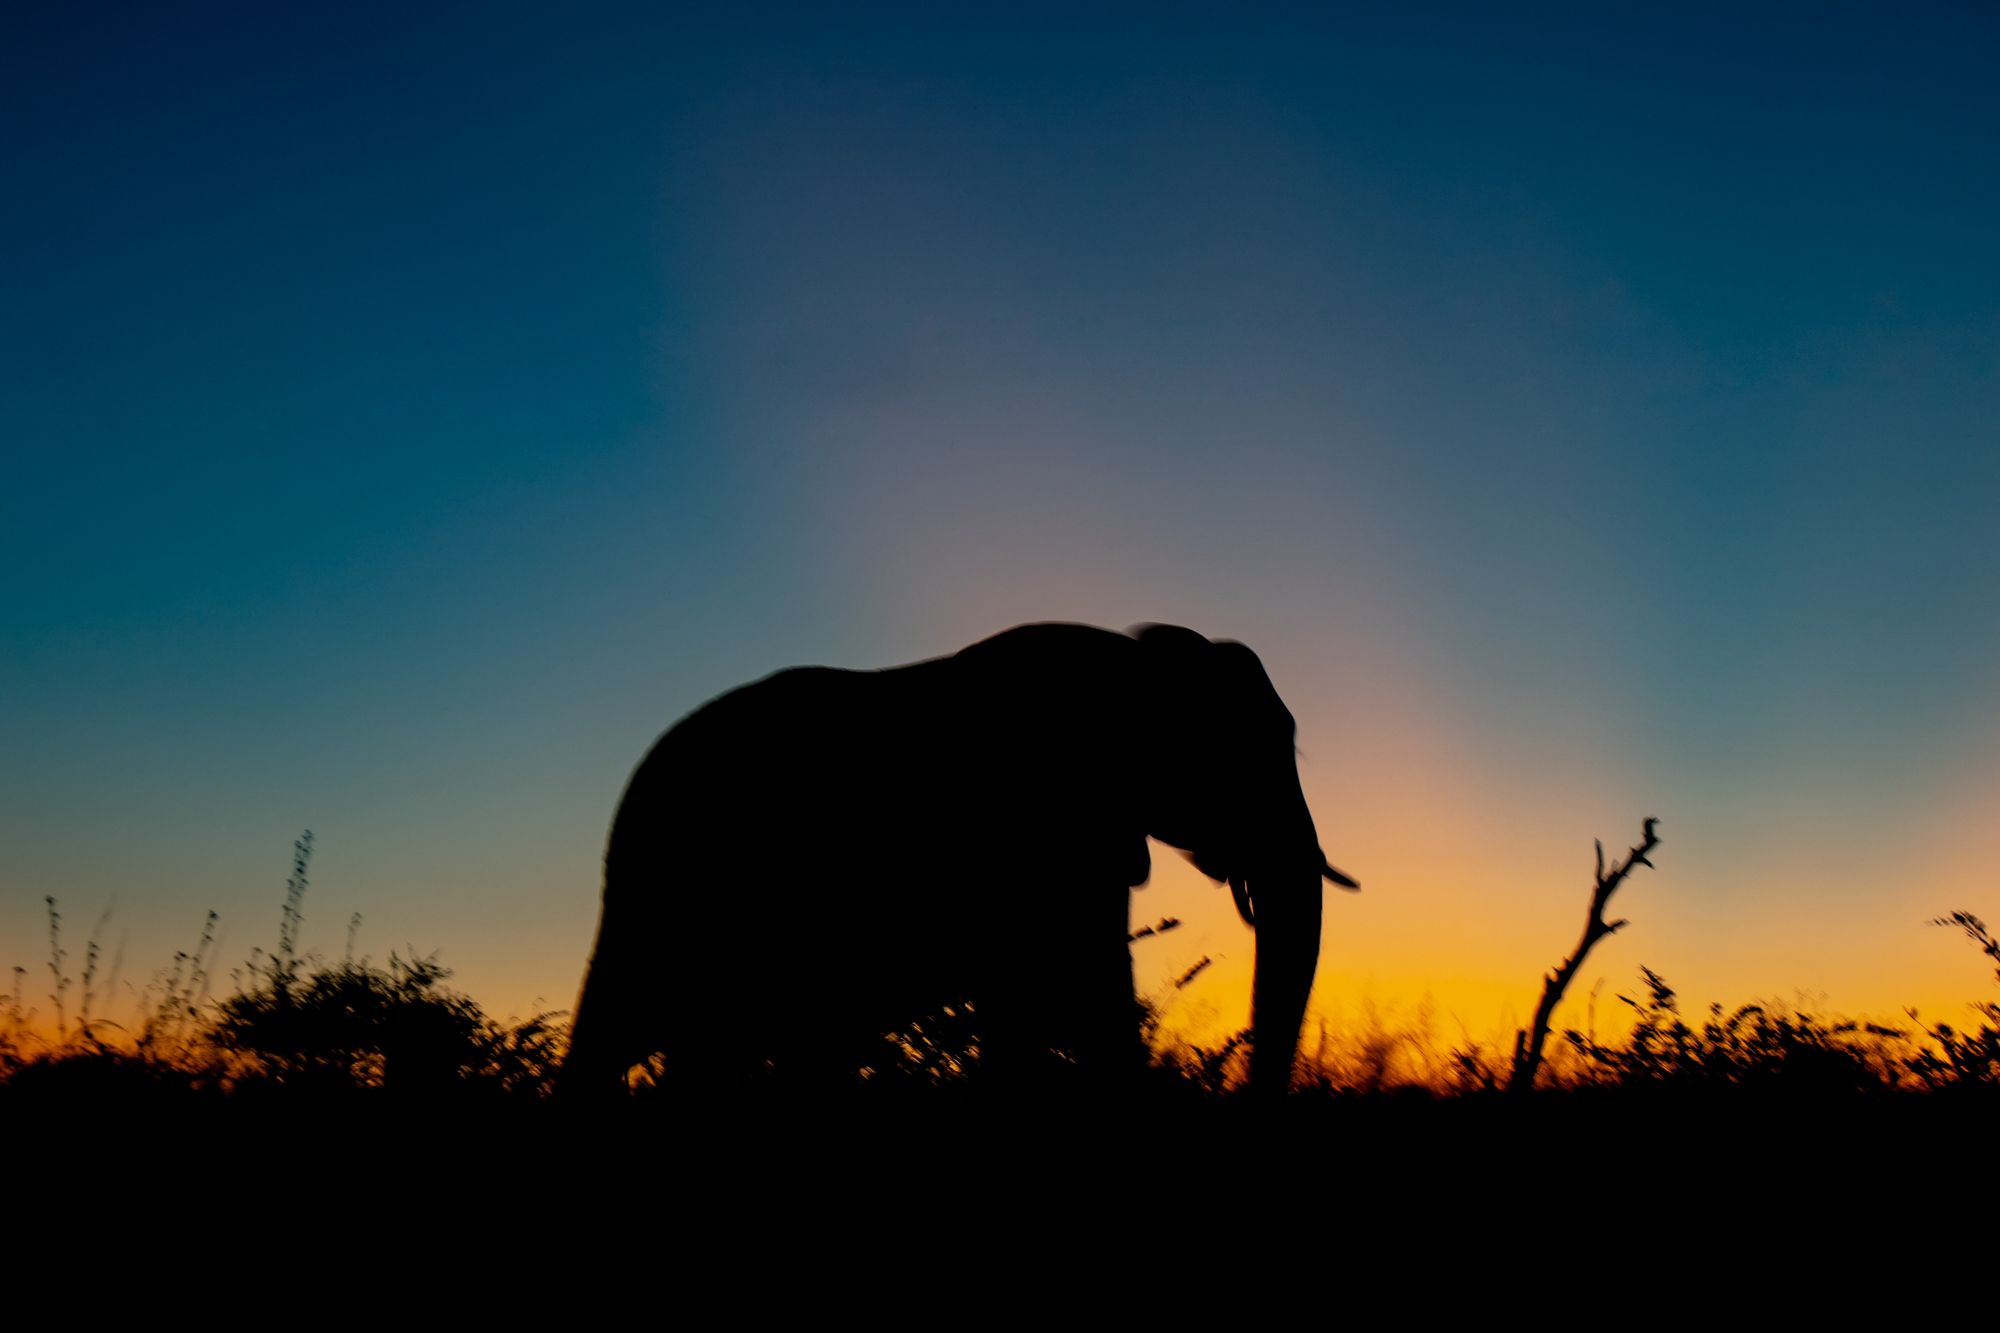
[
  {"x": 300, "y": 1029},
  {"x": 293, "y": 1025}
]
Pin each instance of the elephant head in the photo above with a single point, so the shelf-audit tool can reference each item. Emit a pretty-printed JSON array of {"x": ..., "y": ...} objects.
[{"x": 1223, "y": 788}]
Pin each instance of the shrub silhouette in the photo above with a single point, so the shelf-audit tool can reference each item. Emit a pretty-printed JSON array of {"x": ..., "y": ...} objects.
[
  {"x": 1753, "y": 1047},
  {"x": 312, "y": 1032},
  {"x": 293, "y": 1022},
  {"x": 1963, "y": 1059},
  {"x": 353, "y": 1025}
]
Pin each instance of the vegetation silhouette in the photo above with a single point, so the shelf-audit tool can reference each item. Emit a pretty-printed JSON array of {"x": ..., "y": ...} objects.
[
  {"x": 1528, "y": 1044},
  {"x": 827, "y": 852},
  {"x": 296, "y": 1028},
  {"x": 389, "y": 1070},
  {"x": 389, "y": 1060}
]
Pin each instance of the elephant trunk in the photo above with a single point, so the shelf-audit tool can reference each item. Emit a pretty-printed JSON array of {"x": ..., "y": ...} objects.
[{"x": 1288, "y": 927}]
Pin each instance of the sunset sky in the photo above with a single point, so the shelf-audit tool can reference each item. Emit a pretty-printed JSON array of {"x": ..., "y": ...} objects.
[{"x": 1585, "y": 416}]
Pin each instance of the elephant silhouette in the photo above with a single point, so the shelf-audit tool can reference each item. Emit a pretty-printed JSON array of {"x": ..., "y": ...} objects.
[{"x": 811, "y": 860}]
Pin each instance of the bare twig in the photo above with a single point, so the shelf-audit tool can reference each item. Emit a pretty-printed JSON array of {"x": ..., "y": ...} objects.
[
  {"x": 1528, "y": 1044},
  {"x": 1976, "y": 931}
]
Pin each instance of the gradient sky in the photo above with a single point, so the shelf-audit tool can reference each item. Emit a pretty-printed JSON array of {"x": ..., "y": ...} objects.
[{"x": 1586, "y": 416}]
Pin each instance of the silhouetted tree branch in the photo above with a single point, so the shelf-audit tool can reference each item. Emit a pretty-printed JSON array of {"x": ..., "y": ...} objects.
[{"x": 1528, "y": 1045}]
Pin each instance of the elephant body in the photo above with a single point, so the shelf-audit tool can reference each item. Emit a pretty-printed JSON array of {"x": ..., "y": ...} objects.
[{"x": 823, "y": 856}]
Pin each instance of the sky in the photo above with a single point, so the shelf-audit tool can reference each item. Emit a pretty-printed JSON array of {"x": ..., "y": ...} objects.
[{"x": 1586, "y": 414}]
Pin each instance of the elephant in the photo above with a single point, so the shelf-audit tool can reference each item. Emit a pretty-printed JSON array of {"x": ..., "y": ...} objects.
[{"x": 809, "y": 860}]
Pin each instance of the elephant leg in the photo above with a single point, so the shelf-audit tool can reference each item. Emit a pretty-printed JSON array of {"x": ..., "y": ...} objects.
[
  {"x": 603, "y": 1041},
  {"x": 620, "y": 1013},
  {"x": 1101, "y": 1010},
  {"x": 1061, "y": 1005}
]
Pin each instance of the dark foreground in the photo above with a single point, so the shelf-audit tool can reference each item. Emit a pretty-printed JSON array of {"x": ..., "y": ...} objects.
[
  {"x": 1368, "y": 1165},
  {"x": 354, "y": 1124},
  {"x": 1174, "y": 1211}
]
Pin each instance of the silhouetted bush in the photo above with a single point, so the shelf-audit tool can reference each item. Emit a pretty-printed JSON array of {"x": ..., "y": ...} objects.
[
  {"x": 396, "y": 1028},
  {"x": 293, "y": 1024},
  {"x": 308, "y": 1031},
  {"x": 1751, "y": 1047}
]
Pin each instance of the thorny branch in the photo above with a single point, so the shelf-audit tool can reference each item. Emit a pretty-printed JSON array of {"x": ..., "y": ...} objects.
[{"x": 1528, "y": 1045}]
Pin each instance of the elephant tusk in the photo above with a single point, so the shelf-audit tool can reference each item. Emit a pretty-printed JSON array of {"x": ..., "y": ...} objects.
[
  {"x": 1352, "y": 886},
  {"x": 1240, "y": 891}
]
